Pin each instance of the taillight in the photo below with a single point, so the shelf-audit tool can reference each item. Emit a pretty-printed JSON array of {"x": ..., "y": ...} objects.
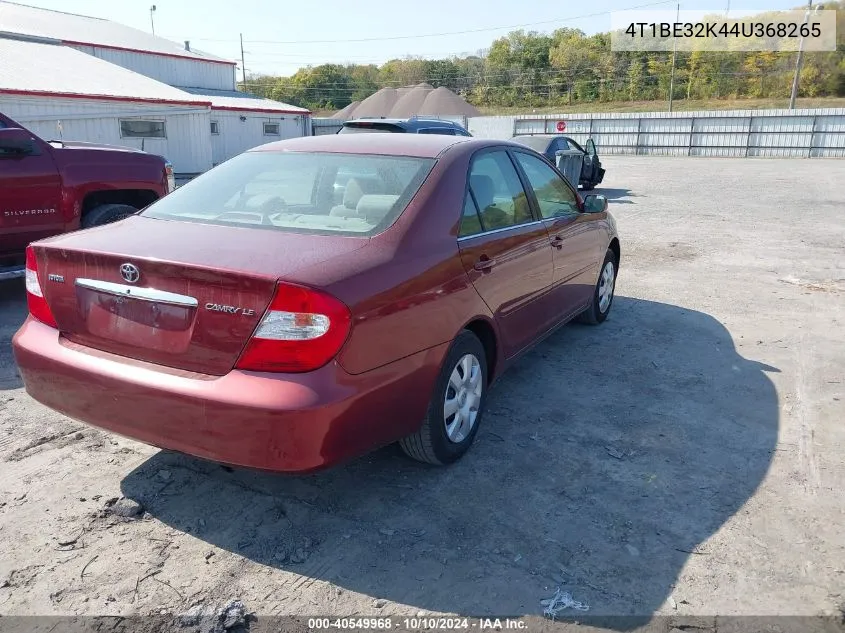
[
  {"x": 35, "y": 300},
  {"x": 302, "y": 330},
  {"x": 171, "y": 177}
]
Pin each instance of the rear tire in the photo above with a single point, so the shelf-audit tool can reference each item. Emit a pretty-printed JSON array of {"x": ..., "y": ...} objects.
[
  {"x": 602, "y": 301},
  {"x": 106, "y": 214},
  {"x": 460, "y": 391}
]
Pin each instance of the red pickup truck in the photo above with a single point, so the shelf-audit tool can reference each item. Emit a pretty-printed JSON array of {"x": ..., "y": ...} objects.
[{"x": 51, "y": 187}]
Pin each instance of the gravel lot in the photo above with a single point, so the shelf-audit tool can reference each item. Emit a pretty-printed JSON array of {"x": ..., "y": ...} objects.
[{"x": 684, "y": 458}]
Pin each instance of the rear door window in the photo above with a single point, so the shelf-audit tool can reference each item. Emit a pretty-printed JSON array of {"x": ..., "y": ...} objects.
[{"x": 497, "y": 191}]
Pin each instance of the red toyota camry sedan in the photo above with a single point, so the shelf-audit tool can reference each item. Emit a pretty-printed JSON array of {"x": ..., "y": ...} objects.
[{"x": 312, "y": 299}]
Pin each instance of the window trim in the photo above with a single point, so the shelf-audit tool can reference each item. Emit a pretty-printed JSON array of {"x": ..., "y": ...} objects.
[
  {"x": 536, "y": 219},
  {"x": 163, "y": 122},
  {"x": 215, "y": 124},
  {"x": 534, "y": 202},
  {"x": 278, "y": 132}
]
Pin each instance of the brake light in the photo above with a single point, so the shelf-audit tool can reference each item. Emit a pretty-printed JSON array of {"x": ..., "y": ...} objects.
[
  {"x": 302, "y": 330},
  {"x": 35, "y": 300},
  {"x": 171, "y": 177}
]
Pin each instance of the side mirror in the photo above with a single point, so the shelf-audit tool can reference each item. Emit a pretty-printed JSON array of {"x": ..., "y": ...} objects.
[
  {"x": 595, "y": 204},
  {"x": 591, "y": 147},
  {"x": 14, "y": 140}
]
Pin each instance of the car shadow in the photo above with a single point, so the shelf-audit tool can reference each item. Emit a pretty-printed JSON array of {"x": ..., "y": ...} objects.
[
  {"x": 615, "y": 196},
  {"x": 607, "y": 457},
  {"x": 13, "y": 311}
]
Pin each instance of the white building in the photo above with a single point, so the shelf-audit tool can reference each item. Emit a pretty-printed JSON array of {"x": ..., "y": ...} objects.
[{"x": 86, "y": 79}]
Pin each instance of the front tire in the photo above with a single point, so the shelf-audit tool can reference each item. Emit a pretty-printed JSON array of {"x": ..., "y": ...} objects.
[
  {"x": 454, "y": 413},
  {"x": 106, "y": 214},
  {"x": 603, "y": 294}
]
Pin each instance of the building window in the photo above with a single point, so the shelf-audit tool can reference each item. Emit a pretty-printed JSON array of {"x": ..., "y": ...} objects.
[
  {"x": 271, "y": 129},
  {"x": 215, "y": 127},
  {"x": 135, "y": 128}
]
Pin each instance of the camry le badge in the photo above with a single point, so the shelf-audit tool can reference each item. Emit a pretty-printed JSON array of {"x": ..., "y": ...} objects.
[{"x": 218, "y": 307}]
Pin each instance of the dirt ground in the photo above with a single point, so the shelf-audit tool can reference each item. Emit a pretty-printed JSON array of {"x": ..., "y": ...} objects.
[{"x": 686, "y": 457}]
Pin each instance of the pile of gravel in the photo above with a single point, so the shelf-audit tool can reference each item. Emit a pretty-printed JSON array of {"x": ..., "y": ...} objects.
[{"x": 400, "y": 103}]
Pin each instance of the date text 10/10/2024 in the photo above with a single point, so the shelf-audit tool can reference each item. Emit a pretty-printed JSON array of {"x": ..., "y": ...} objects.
[{"x": 416, "y": 623}]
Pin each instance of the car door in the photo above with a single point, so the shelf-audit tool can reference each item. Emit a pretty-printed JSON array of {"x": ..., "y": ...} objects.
[
  {"x": 30, "y": 196},
  {"x": 592, "y": 156},
  {"x": 573, "y": 234},
  {"x": 506, "y": 250},
  {"x": 589, "y": 167}
]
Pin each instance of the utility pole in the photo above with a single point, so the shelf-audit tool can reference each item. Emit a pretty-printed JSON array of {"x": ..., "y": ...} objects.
[
  {"x": 800, "y": 60},
  {"x": 674, "y": 56},
  {"x": 243, "y": 64},
  {"x": 152, "y": 22}
]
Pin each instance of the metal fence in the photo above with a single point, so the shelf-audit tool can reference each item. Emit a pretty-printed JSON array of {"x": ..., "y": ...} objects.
[{"x": 796, "y": 133}]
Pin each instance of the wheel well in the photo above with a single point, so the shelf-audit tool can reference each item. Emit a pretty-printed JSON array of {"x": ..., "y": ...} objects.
[
  {"x": 138, "y": 198},
  {"x": 614, "y": 246},
  {"x": 484, "y": 331}
]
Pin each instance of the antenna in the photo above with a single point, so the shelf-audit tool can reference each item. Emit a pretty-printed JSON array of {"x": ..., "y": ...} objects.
[{"x": 152, "y": 22}]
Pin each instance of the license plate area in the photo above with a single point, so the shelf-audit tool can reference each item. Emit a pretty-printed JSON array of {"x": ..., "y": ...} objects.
[{"x": 145, "y": 318}]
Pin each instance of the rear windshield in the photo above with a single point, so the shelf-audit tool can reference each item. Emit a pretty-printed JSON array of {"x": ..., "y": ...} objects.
[{"x": 351, "y": 194}]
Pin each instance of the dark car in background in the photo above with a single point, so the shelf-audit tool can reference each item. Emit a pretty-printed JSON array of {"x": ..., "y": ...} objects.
[
  {"x": 414, "y": 125},
  {"x": 549, "y": 145}
]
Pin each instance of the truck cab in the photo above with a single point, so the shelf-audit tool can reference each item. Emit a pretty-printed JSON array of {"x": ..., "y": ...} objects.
[{"x": 52, "y": 187}]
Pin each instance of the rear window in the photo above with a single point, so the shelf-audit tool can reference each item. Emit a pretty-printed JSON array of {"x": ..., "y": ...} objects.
[{"x": 351, "y": 194}]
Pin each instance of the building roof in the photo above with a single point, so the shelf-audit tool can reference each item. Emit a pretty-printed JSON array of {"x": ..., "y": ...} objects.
[
  {"x": 70, "y": 28},
  {"x": 32, "y": 68},
  {"x": 234, "y": 100}
]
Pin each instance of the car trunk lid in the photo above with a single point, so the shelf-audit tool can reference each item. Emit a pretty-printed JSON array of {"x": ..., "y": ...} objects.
[{"x": 183, "y": 295}]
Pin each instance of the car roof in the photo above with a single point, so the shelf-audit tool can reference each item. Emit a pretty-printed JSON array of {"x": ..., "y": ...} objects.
[{"x": 416, "y": 145}]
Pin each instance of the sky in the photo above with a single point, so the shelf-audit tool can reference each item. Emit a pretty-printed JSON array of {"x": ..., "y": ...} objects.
[{"x": 280, "y": 37}]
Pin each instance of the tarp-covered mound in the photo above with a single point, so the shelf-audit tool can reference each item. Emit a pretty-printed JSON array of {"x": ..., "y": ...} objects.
[{"x": 401, "y": 103}]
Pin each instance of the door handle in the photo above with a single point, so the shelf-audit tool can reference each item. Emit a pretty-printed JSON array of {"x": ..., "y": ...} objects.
[
  {"x": 484, "y": 263},
  {"x": 557, "y": 241}
]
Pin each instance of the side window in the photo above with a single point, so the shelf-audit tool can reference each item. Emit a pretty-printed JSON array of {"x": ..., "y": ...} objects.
[
  {"x": 470, "y": 222},
  {"x": 497, "y": 191},
  {"x": 554, "y": 196}
]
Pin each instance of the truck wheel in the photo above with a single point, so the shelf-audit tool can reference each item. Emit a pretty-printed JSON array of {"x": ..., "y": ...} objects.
[{"x": 107, "y": 213}]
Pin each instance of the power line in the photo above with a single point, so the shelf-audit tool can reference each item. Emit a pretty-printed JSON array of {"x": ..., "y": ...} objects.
[{"x": 529, "y": 85}]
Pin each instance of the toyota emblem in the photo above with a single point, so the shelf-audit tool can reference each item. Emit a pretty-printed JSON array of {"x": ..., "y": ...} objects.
[{"x": 130, "y": 273}]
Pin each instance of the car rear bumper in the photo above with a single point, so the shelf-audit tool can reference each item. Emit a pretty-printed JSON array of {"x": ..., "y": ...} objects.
[{"x": 280, "y": 422}]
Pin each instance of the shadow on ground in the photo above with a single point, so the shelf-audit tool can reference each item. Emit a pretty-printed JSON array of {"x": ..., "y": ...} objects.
[
  {"x": 13, "y": 311},
  {"x": 607, "y": 456}
]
